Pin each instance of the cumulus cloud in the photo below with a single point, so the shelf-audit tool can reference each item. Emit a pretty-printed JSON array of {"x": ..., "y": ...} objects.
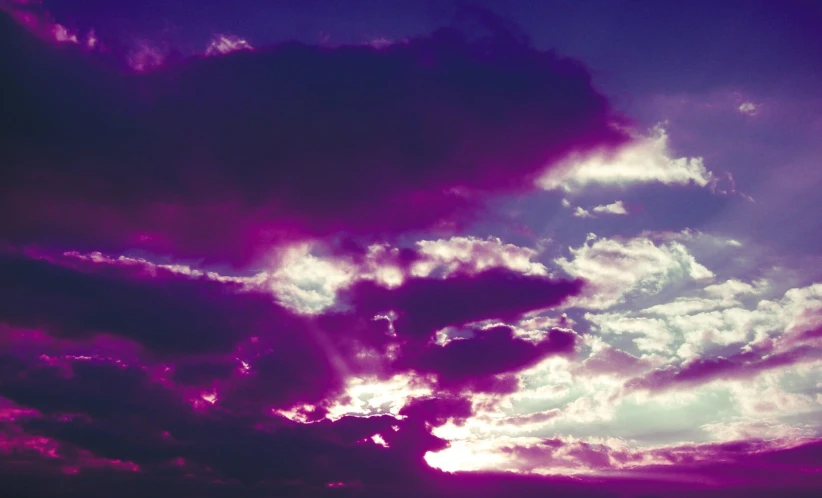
[
  {"x": 616, "y": 267},
  {"x": 617, "y": 207},
  {"x": 646, "y": 159},
  {"x": 474, "y": 254},
  {"x": 749, "y": 108},
  {"x": 307, "y": 278}
]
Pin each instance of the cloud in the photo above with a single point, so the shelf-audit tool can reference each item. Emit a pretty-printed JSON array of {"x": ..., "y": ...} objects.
[
  {"x": 698, "y": 469},
  {"x": 352, "y": 353},
  {"x": 741, "y": 365},
  {"x": 307, "y": 283},
  {"x": 475, "y": 255},
  {"x": 166, "y": 312},
  {"x": 33, "y": 16},
  {"x": 749, "y": 108},
  {"x": 580, "y": 212},
  {"x": 614, "y": 208},
  {"x": 223, "y": 157},
  {"x": 612, "y": 362},
  {"x": 616, "y": 267},
  {"x": 472, "y": 362},
  {"x": 225, "y": 44},
  {"x": 646, "y": 159},
  {"x": 617, "y": 207},
  {"x": 720, "y": 317},
  {"x": 751, "y": 429},
  {"x": 652, "y": 334},
  {"x": 307, "y": 277},
  {"x": 102, "y": 400},
  {"x": 424, "y": 306}
]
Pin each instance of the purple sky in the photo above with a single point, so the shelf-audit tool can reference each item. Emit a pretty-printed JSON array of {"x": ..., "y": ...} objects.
[{"x": 412, "y": 249}]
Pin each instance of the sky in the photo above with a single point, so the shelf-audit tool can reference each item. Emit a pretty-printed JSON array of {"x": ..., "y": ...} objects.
[{"x": 411, "y": 249}]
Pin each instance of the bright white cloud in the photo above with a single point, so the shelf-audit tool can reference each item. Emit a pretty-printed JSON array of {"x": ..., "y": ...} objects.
[
  {"x": 582, "y": 213},
  {"x": 474, "y": 254},
  {"x": 617, "y": 207},
  {"x": 369, "y": 396},
  {"x": 718, "y": 319},
  {"x": 647, "y": 159},
  {"x": 616, "y": 267},
  {"x": 650, "y": 334},
  {"x": 307, "y": 283},
  {"x": 732, "y": 288}
]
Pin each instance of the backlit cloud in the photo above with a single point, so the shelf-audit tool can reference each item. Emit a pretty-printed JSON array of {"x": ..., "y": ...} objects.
[
  {"x": 408, "y": 261},
  {"x": 647, "y": 159}
]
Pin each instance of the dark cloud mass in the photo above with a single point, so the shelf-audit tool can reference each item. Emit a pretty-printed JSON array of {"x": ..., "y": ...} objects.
[
  {"x": 163, "y": 311},
  {"x": 425, "y": 305},
  {"x": 218, "y": 157},
  {"x": 471, "y": 362}
]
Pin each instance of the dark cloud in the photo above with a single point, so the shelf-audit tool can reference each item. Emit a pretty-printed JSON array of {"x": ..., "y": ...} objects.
[
  {"x": 222, "y": 156},
  {"x": 470, "y": 362},
  {"x": 741, "y": 365},
  {"x": 438, "y": 411},
  {"x": 201, "y": 328},
  {"x": 164, "y": 311},
  {"x": 425, "y": 305},
  {"x": 99, "y": 389},
  {"x": 204, "y": 371},
  {"x": 204, "y": 329},
  {"x": 119, "y": 413}
]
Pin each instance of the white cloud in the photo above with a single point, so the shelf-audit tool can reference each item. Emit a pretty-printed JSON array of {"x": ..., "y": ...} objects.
[
  {"x": 732, "y": 288},
  {"x": 721, "y": 320},
  {"x": 617, "y": 207},
  {"x": 749, "y": 108},
  {"x": 652, "y": 334},
  {"x": 369, "y": 396},
  {"x": 745, "y": 429},
  {"x": 763, "y": 398},
  {"x": 582, "y": 213},
  {"x": 647, "y": 159},
  {"x": 474, "y": 254},
  {"x": 683, "y": 306},
  {"x": 722, "y": 327},
  {"x": 307, "y": 283},
  {"x": 616, "y": 267}
]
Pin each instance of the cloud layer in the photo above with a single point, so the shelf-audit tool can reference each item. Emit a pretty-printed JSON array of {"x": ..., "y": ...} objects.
[{"x": 278, "y": 271}]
